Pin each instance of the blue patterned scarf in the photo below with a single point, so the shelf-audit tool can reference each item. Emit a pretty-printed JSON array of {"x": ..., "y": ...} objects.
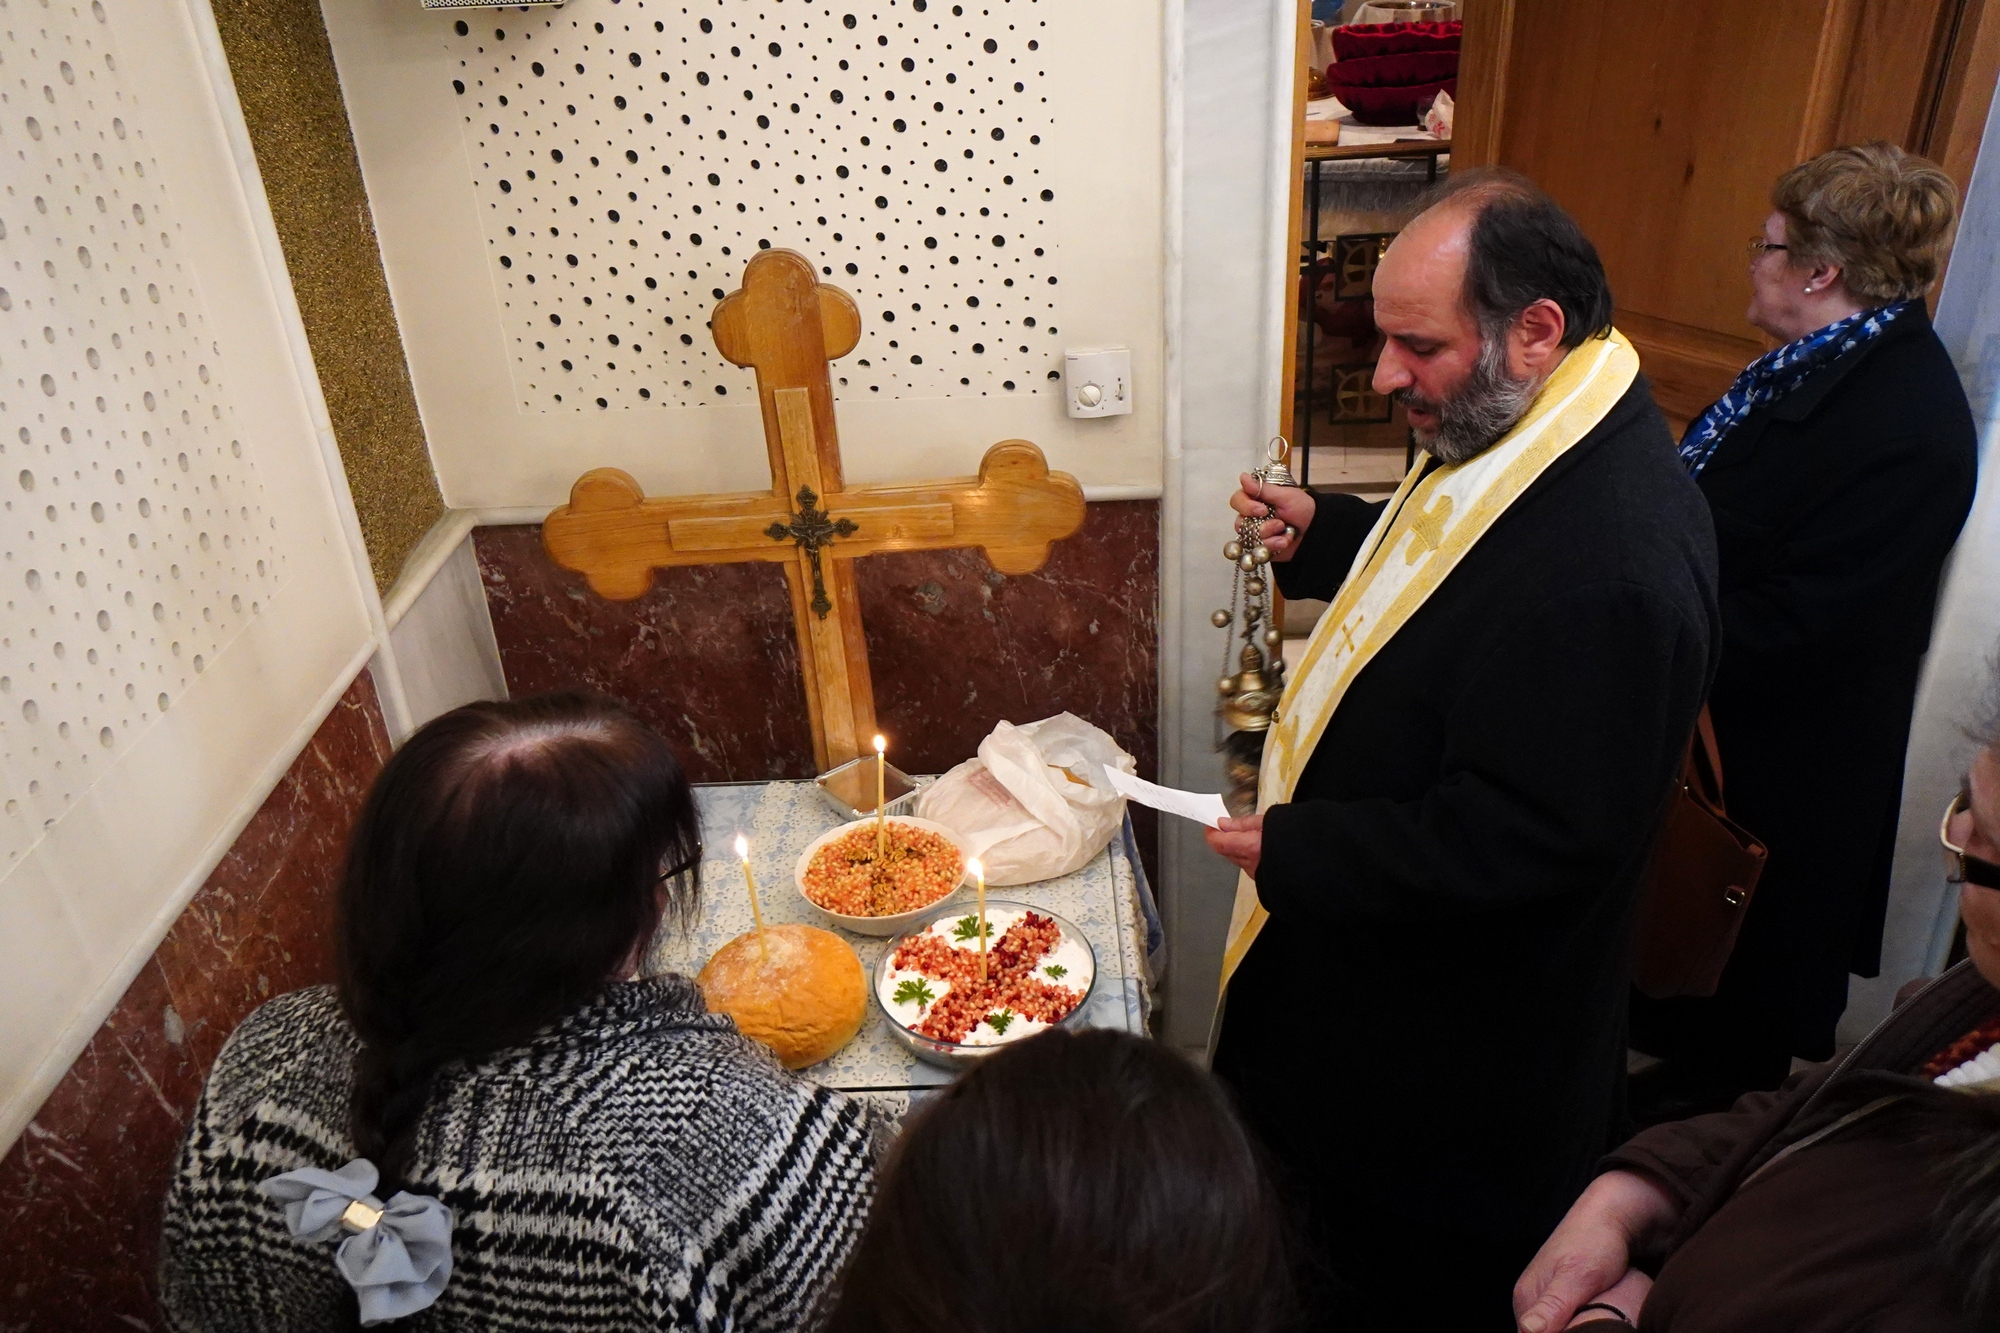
[{"x": 1777, "y": 373}]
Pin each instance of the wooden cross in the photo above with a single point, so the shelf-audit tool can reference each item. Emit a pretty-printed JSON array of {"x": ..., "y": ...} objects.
[{"x": 787, "y": 325}]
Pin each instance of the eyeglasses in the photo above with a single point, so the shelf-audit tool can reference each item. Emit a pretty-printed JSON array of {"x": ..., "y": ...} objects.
[
  {"x": 1959, "y": 867},
  {"x": 683, "y": 867},
  {"x": 1759, "y": 246}
]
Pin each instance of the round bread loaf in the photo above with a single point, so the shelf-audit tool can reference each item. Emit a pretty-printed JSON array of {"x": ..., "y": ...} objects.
[{"x": 800, "y": 991}]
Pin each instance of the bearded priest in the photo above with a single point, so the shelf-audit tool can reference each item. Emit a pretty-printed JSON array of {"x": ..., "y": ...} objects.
[{"x": 1425, "y": 980}]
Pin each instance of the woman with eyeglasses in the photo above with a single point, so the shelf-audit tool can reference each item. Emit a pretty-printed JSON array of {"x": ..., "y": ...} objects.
[
  {"x": 1860, "y": 1195},
  {"x": 494, "y": 1119},
  {"x": 1838, "y": 469}
]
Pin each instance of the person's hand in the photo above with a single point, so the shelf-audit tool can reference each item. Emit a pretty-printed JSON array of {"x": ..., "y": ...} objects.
[
  {"x": 1590, "y": 1252},
  {"x": 1240, "y": 841},
  {"x": 1288, "y": 511},
  {"x": 1628, "y": 1297}
]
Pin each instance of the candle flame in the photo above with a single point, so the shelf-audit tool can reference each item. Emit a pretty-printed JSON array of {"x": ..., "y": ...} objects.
[
  {"x": 978, "y": 870},
  {"x": 742, "y": 847},
  {"x": 880, "y": 745}
]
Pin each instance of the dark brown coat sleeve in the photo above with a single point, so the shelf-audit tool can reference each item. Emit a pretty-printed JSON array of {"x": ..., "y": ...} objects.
[{"x": 1691, "y": 1158}]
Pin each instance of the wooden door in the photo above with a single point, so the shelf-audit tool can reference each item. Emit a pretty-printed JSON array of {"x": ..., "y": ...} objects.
[{"x": 1663, "y": 127}]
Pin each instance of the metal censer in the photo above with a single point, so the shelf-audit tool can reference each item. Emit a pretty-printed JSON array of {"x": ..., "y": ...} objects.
[{"x": 1249, "y": 697}]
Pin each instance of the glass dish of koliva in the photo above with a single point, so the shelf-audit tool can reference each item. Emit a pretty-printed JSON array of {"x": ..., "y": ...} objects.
[
  {"x": 906, "y": 997},
  {"x": 850, "y": 789}
]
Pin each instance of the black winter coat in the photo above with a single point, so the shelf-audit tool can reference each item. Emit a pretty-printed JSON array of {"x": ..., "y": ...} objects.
[
  {"x": 1434, "y": 1016},
  {"x": 1834, "y": 510}
]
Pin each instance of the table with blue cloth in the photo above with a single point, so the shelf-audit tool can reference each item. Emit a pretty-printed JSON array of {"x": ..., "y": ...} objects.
[{"x": 1109, "y": 900}]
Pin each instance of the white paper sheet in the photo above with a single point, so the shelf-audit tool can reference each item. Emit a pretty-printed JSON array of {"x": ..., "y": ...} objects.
[{"x": 1201, "y": 807}]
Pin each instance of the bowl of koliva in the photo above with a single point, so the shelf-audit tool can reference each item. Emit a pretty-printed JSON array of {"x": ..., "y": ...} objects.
[
  {"x": 1040, "y": 973},
  {"x": 842, "y": 878}
]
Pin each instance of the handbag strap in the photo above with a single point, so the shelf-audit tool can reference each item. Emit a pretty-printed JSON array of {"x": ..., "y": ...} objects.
[{"x": 1704, "y": 765}]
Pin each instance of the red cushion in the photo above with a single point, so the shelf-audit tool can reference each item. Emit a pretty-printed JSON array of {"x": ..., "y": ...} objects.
[
  {"x": 1397, "y": 71},
  {"x": 1392, "y": 106},
  {"x": 1386, "y": 39}
]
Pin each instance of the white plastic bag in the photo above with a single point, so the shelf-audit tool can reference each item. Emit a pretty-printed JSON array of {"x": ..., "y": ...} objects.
[{"x": 1035, "y": 804}]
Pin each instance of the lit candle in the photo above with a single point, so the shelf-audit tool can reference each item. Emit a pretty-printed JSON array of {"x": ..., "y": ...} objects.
[
  {"x": 881, "y": 825},
  {"x": 979, "y": 873},
  {"x": 750, "y": 882}
]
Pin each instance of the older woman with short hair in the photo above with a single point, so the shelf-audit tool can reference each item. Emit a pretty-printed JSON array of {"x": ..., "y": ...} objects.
[{"x": 1838, "y": 468}]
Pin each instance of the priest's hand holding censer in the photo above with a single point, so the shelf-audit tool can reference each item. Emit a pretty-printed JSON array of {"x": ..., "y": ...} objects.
[
  {"x": 1283, "y": 508},
  {"x": 1273, "y": 513}
]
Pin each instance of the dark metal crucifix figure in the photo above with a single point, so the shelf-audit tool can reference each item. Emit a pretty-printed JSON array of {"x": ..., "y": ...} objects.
[{"x": 810, "y": 529}]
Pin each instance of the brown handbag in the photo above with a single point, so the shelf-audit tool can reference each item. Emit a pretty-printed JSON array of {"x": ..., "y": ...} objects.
[{"x": 1698, "y": 885}]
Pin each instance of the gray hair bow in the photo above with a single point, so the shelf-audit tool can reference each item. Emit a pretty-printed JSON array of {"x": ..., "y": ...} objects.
[{"x": 397, "y": 1256}]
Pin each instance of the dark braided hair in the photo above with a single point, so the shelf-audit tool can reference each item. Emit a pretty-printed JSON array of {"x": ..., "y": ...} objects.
[{"x": 506, "y": 867}]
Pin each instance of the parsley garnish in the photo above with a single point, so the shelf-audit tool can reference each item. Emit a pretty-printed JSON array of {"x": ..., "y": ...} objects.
[
  {"x": 998, "y": 1022},
  {"x": 915, "y": 989},
  {"x": 1056, "y": 971},
  {"x": 967, "y": 928}
]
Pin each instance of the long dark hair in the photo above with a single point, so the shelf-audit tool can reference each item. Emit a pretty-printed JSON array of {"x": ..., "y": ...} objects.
[
  {"x": 507, "y": 862},
  {"x": 1074, "y": 1181}
]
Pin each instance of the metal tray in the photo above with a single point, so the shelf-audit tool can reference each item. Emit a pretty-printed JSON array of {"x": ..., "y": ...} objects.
[{"x": 854, "y": 781}]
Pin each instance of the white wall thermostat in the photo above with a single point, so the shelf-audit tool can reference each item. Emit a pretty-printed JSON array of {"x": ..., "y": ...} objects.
[{"x": 1097, "y": 381}]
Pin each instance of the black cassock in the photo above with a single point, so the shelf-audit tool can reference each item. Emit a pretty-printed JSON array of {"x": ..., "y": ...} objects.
[
  {"x": 1834, "y": 510},
  {"x": 1429, "y": 1033}
]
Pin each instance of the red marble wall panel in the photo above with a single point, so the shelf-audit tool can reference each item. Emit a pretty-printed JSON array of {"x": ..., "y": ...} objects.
[
  {"x": 956, "y": 646},
  {"x": 708, "y": 655},
  {"x": 80, "y": 1192}
]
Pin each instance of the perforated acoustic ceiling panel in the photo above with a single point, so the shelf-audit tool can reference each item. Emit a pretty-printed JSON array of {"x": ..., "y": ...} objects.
[
  {"x": 904, "y": 152},
  {"x": 982, "y": 178},
  {"x": 178, "y": 597},
  {"x": 137, "y": 536}
]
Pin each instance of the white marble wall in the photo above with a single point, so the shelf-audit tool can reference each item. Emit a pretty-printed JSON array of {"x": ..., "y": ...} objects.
[
  {"x": 1958, "y": 685},
  {"x": 1229, "y": 80},
  {"x": 445, "y": 651}
]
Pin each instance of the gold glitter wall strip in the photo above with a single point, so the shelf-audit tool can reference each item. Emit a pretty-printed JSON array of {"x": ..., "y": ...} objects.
[{"x": 283, "y": 68}]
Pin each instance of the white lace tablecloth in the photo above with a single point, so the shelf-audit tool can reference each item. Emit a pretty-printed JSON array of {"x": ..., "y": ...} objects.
[{"x": 780, "y": 818}]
